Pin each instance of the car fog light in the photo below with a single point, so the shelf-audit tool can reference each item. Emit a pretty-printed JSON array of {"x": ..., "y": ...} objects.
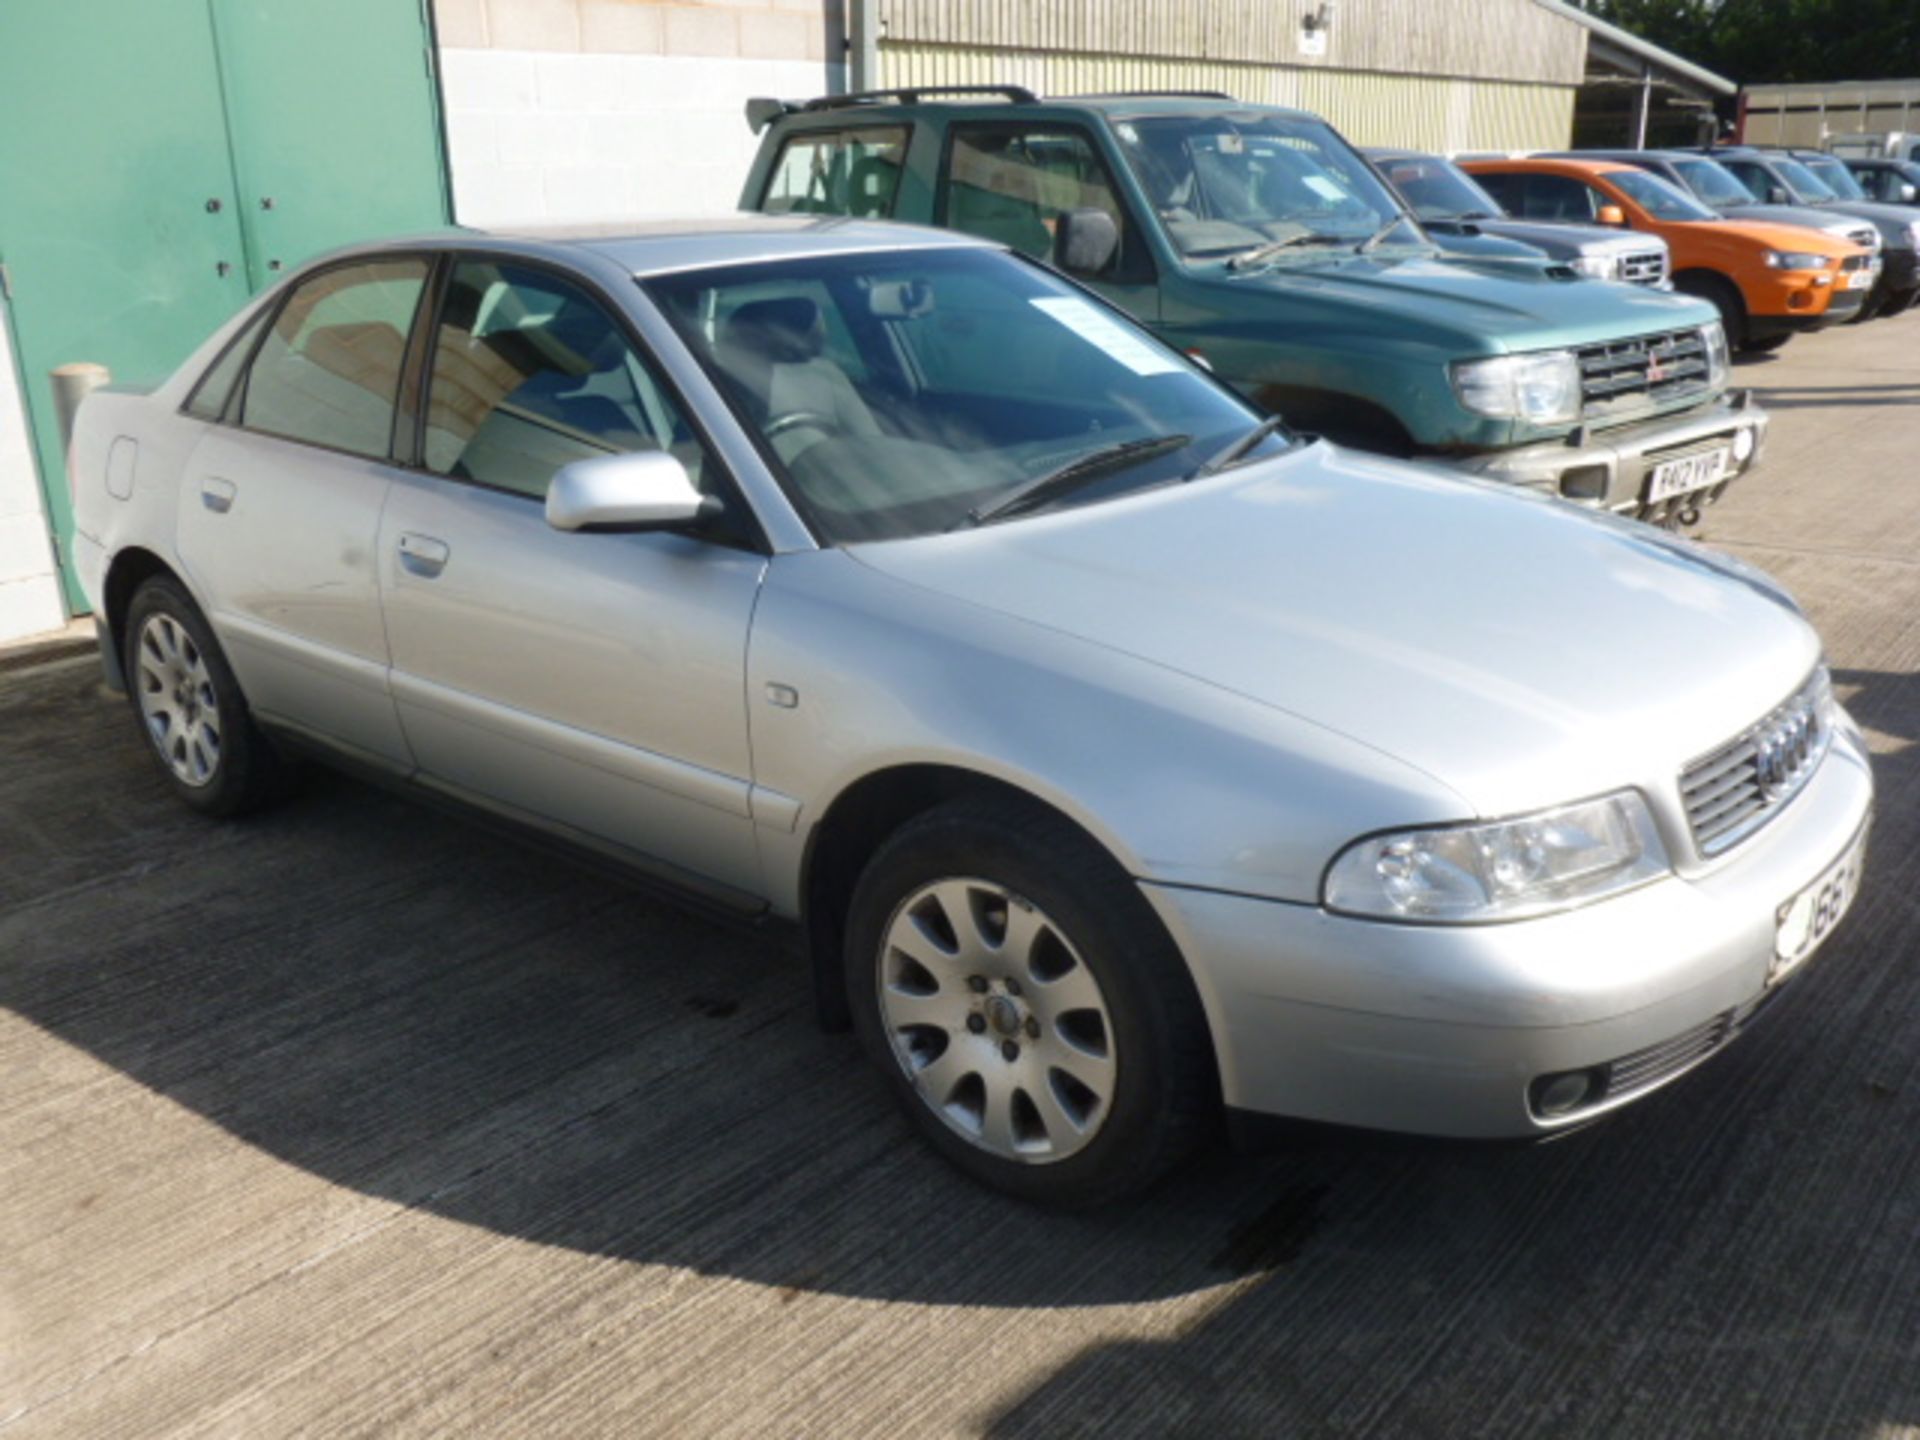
[
  {"x": 1743, "y": 444},
  {"x": 1557, "y": 1095}
]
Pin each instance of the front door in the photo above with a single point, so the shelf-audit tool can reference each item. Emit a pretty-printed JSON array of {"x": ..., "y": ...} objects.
[
  {"x": 280, "y": 504},
  {"x": 592, "y": 682}
]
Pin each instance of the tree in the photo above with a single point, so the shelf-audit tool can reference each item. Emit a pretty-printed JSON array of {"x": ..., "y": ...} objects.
[{"x": 1779, "y": 41}]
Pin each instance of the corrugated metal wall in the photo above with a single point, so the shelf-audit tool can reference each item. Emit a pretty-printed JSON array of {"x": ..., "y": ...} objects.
[
  {"x": 1494, "y": 75},
  {"x": 1807, "y": 114}
]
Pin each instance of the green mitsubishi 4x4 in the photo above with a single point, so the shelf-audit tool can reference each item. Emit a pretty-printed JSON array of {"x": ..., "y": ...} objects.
[{"x": 1260, "y": 242}]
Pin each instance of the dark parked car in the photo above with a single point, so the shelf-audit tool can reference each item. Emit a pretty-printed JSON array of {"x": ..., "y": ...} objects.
[
  {"x": 1462, "y": 218},
  {"x": 1892, "y": 182}
]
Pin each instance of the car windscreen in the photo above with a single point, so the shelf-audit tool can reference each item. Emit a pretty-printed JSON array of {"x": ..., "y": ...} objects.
[
  {"x": 1807, "y": 186},
  {"x": 1714, "y": 183},
  {"x": 1230, "y": 181},
  {"x": 1437, "y": 190},
  {"x": 1837, "y": 178},
  {"x": 900, "y": 392},
  {"x": 1658, "y": 198}
]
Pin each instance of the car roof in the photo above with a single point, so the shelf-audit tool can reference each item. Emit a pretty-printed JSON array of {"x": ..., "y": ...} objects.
[
  {"x": 653, "y": 247},
  {"x": 1555, "y": 163}
]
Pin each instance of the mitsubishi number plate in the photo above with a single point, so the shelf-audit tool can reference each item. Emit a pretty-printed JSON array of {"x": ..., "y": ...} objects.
[{"x": 1690, "y": 472}]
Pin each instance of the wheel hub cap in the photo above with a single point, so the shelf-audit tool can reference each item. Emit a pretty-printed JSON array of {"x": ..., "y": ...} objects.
[
  {"x": 996, "y": 1020},
  {"x": 178, "y": 705}
]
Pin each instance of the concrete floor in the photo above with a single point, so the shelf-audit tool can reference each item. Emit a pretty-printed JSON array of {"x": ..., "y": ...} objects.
[{"x": 351, "y": 1120}]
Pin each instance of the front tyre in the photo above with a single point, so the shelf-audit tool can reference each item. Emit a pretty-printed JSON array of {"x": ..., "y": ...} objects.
[
  {"x": 189, "y": 706},
  {"x": 1027, "y": 1006}
]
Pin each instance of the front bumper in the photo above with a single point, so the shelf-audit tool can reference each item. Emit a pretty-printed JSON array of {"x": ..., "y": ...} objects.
[
  {"x": 1441, "y": 1030},
  {"x": 1613, "y": 469}
]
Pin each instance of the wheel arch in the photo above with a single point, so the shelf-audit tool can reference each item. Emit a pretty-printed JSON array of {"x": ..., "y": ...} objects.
[
  {"x": 1712, "y": 285},
  {"x": 131, "y": 567},
  {"x": 856, "y": 822}
]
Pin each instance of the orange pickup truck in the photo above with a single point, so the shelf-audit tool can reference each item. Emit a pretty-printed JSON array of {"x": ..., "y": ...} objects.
[{"x": 1769, "y": 282}]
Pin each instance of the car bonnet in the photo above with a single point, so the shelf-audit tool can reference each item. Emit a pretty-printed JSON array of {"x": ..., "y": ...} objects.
[{"x": 1516, "y": 648}]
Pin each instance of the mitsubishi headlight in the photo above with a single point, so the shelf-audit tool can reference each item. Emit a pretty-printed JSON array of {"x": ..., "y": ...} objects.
[
  {"x": 1543, "y": 387},
  {"x": 1796, "y": 260},
  {"x": 1502, "y": 870},
  {"x": 1714, "y": 337},
  {"x": 1597, "y": 267}
]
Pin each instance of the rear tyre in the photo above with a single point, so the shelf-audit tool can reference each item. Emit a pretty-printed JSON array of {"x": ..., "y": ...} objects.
[
  {"x": 189, "y": 706},
  {"x": 1027, "y": 1007},
  {"x": 1724, "y": 296}
]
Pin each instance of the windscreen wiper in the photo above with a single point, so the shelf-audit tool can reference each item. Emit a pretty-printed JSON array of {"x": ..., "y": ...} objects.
[
  {"x": 1374, "y": 239},
  {"x": 1227, "y": 454},
  {"x": 1273, "y": 247},
  {"x": 1057, "y": 482}
]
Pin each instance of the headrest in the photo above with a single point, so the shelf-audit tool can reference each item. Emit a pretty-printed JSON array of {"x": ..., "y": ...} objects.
[{"x": 785, "y": 331}]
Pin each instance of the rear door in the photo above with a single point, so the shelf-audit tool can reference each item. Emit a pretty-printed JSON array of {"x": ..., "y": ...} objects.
[
  {"x": 594, "y": 683},
  {"x": 280, "y": 504}
]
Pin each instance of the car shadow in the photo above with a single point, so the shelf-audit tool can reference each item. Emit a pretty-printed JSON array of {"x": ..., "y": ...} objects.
[{"x": 424, "y": 1013}]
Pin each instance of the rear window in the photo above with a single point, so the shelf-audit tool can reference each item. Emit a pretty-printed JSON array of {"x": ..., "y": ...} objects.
[{"x": 837, "y": 172}]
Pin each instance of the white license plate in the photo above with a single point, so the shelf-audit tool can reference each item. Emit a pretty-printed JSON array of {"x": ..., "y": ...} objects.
[
  {"x": 1809, "y": 917},
  {"x": 1694, "y": 472},
  {"x": 1860, "y": 279}
]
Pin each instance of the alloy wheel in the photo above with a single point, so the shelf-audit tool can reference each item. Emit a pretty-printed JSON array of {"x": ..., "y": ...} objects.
[
  {"x": 996, "y": 1020},
  {"x": 178, "y": 703}
]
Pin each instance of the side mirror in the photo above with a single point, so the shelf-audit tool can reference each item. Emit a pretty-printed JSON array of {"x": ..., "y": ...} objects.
[
  {"x": 641, "y": 490},
  {"x": 1909, "y": 192},
  {"x": 1612, "y": 215},
  {"x": 1085, "y": 240}
]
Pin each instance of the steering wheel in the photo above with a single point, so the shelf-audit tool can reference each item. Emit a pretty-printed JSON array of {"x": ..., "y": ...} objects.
[{"x": 796, "y": 420}]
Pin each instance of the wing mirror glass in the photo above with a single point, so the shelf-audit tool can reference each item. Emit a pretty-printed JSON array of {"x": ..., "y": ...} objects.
[
  {"x": 1908, "y": 191},
  {"x": 641, "y": 490},
  {"x": 1612, "y": 215},
  {"x": 1085, "y": 240}
]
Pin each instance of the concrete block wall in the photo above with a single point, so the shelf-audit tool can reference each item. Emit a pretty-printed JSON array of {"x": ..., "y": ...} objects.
[
  {"x": 589, "y": 110},
  {"x": 30, "y": 600}
]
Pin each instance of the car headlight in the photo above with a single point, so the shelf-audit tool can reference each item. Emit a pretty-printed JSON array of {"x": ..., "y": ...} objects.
[
  {"x": 1913, "y": 234},
  {"x": 1597, "y": 267},
  {"x": 1796, "y": 260},
  {"x": 1502, "y": 870},
  {"x": 1714, "y": 337},
  {"x": 1543, "y": 388}
]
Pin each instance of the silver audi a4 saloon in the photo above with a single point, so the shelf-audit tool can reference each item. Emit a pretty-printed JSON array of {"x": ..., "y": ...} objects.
[{"x": 1124, "y": 761}]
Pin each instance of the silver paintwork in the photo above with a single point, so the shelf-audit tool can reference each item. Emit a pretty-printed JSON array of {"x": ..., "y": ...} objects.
[
  {"x": 1223, "y": 683},
  {"x": 647, "y": 488},
  {"x": 177, "y": 700},
  {"x": 996, "y": 1020}
]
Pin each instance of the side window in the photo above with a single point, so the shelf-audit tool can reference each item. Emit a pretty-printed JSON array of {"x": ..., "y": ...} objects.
[
  {"x": 1754, "y": 178},
  {"x": 1560, "y": 197},
  {"x": 1012, "y": 185},
  {"x": 209, "y": 398},
  {"x": 328, "y": 370},
  {"x": 529, "y": 374},
  {"x": 838, "y": 172}
]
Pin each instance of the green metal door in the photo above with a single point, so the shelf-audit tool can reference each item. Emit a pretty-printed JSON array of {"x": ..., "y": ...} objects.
[
  {"x": 141, "y": 142},
  {"x": 335, "y": 131},
  {"x": 118, "y": 227}
]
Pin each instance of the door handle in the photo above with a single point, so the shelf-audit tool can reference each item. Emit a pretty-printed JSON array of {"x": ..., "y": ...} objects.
[
  {"x": 217, "y": 494},
  {"x": 423, "y": 555}
]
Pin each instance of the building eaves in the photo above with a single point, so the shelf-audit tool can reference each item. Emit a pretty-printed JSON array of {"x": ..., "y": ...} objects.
[{"x": 1645, "y": 50}]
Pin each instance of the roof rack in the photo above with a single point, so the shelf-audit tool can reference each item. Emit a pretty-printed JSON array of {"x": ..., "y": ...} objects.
[
  {"x": 912, "y": 95},
  {"x": 763, "y": 110},
  {"x": 1148, "y": 95}
]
